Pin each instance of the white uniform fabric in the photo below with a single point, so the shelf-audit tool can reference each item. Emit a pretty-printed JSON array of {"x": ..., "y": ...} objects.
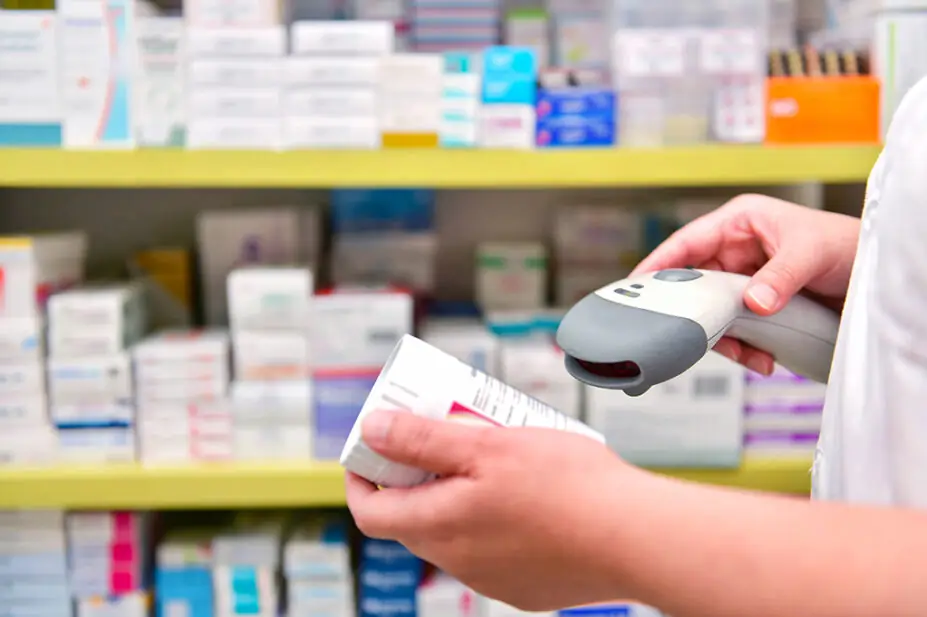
[{"x": 873, "y": 445}]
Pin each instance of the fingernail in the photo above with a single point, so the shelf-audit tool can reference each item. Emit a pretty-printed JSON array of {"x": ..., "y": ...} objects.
[
  {"x": 376, "y": 427},
  {"x": 726, "y": 349},
  {"x": 764, "y": 295},
  {"x": 759, "y": 364}
]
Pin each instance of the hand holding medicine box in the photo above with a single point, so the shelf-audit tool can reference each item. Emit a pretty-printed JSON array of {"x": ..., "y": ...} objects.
[{"x": 425, "y": 381}]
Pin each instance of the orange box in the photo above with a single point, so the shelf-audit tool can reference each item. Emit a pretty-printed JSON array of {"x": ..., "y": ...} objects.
[{"x": 822, "y": 110}]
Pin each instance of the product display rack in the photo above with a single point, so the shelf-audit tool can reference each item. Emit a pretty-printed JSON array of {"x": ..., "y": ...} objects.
[
  {"x": 308, "y": 485},
  {"x": 710, "y": 165}
]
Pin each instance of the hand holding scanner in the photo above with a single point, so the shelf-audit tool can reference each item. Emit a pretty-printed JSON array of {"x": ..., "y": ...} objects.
[{"x": 642, "y": 331}]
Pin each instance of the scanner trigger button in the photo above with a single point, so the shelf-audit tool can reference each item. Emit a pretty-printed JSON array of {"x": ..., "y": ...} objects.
[{"x": 677, "y": 275}]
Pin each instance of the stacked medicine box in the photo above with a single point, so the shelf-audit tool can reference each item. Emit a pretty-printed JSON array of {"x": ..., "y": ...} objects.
[
  {"x": 183, "y": 576},
  {"x": 182, "y": 383},
  {"x": 352, "y": 334},
  {"x": 389, "y": 577},
  {"x": 457, "y": 25},
  {"x": 236, "y": 52},
  {"x": 30, "y": 269},
  {"x": 332, "y": 83},
  {"x": 317, "y": 568},
  {"x": 271, "y": 395},
  {"x": 106, "y": 553},
  {"x": 782, "y": 414},
  {"x": 246, "y": 564},
  {"x": 90, "y": 386},
  {"x": 410, "y": 89},
  {"x": 460, "y": 101},
  {"x": 507, "y": 116},
  {"x": 160, "y": 81},
  {"x": 33, "y": 563},
  {"x": 690, "y": 72}
]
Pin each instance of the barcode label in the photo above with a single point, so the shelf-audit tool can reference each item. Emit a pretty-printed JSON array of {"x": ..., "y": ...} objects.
[{"x": 711, "y": 386}]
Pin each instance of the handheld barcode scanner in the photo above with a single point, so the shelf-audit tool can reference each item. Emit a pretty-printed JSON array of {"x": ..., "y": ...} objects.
[{"x": 642, "y": 331}]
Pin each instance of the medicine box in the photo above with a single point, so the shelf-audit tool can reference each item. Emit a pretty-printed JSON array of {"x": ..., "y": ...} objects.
[
  {"x": 269, "y": 298},
  {"x": 342, "y": 38},
  {"x": 509, "y": 75},
  {"x": 95, "y": 321},
  {"x": 30, "y": 109},
  {"x": 160, "y": 119},
  {"x": 91, "y": 381},
  {"x": 34, "y": 267},
  {"x": 239, "y": 238},
  {"x": 220, "y": 14},
  {"x": 21, "y": 340},
  {"x": 693, "y": 420},
  {"x": 511, "y": 275}
]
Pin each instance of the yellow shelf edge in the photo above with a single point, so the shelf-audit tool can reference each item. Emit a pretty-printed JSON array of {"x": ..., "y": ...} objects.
[
  {"x": 217, "y": 486},
  {"x": 710, "y": 165}
]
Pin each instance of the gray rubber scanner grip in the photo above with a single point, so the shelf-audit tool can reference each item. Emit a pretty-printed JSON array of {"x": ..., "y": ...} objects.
[{"x": 801, "y": 336}]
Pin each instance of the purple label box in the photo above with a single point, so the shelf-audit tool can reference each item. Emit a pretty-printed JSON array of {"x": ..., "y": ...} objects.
[{"x": 338, "y": 401}]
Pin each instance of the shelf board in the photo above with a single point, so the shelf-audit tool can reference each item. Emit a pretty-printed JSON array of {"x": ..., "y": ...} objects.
[
  {"x": 714, "y": 165},
  {"x": 218, "y": 486}
]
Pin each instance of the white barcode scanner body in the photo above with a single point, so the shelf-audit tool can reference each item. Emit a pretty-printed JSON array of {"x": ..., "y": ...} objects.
[{"x": 639, "y": 332}]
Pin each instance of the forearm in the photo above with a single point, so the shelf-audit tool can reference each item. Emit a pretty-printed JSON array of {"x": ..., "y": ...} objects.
[{"x": 708, "y": 552}]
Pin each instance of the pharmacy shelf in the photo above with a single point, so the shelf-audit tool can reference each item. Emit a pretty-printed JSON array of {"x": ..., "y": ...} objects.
[
  {"x": 256, "y": 486},
  {"x": 679, "y": 166}
]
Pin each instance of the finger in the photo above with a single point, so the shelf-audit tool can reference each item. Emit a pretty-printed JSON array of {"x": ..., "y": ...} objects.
[
  {"x": 757, "y": 360},
  {"x": 395, "y": 513},
  {"x": 439, "y": 446},
  {"x": 792, "y": 267},
  {"x": 729, "y": 348},
  {"x": 695, "y": 243}
]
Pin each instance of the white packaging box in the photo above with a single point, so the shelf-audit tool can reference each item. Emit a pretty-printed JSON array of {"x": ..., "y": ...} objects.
[
  {"x": 342, "y": 38},
  {"x": 92, "y": 381},
  {"x": 468, "y": 340},
  {"x": 338, "y": 72},
  {"x": 269, "y": 298},
  {"x": 511, "y": 275},
  {"x": 97, "y": 61},
  {"x": 257, "y": 546},
  {"x": 534, "y": 365},
  {"x": 18, "y": 380},
  {"x": 330, "y": 102},
  {"x": 234, "y": 103},
  {"x": 358, "y": 329},
  {"x": 506, "y": 127},
  {"x": 397, "y": 257},
  {"x": 160, "y": 117},
  {"x": 95, "y": 321},
  {"x": 230, "y": 239},
  {"x": 410, "y": 89},
  {"x": 352, "y": 133},
  {"x": 34, "y": 267},
  {"x": 220, "y": 14},
  {"x": 271, "y": 402},
  {"x": 273, "y": 443},
  {"x": 23, "y": 411},
  {"x": 96, "y": 445},
  {"x": 36, "y": 445},
  {"x": 308, "y": 556},
  {"x": 134, "y": 604},
  {"x": 314, "y": 598},
  {"x": 180, "y": 391},
  {"x": 445, "y": 596},
  {"x": 230, "y": 43},
  {"x": 694, "y": 420},
  {"x": 30, "y": 88},
  {"x": 21, "y": 341},
  {"x": 270, "y": 355},
  {"x": 598, "y": 235},
  {"x": 234, "y": 134},
  {"x": 179, "y": 364},
  {"x": 235, "y": 73}
]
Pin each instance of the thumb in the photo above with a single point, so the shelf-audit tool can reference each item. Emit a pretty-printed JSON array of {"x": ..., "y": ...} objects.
[
  {"x": 783, "y": 276},
  {"x": 438, "y": 446}
]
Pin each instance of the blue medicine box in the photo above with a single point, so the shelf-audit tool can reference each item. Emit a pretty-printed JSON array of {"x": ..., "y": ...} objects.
[
  {"x": 575, "y": 133},
  {"x": 589, "y": 103},
  {"x": 510, "y": 75}
]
